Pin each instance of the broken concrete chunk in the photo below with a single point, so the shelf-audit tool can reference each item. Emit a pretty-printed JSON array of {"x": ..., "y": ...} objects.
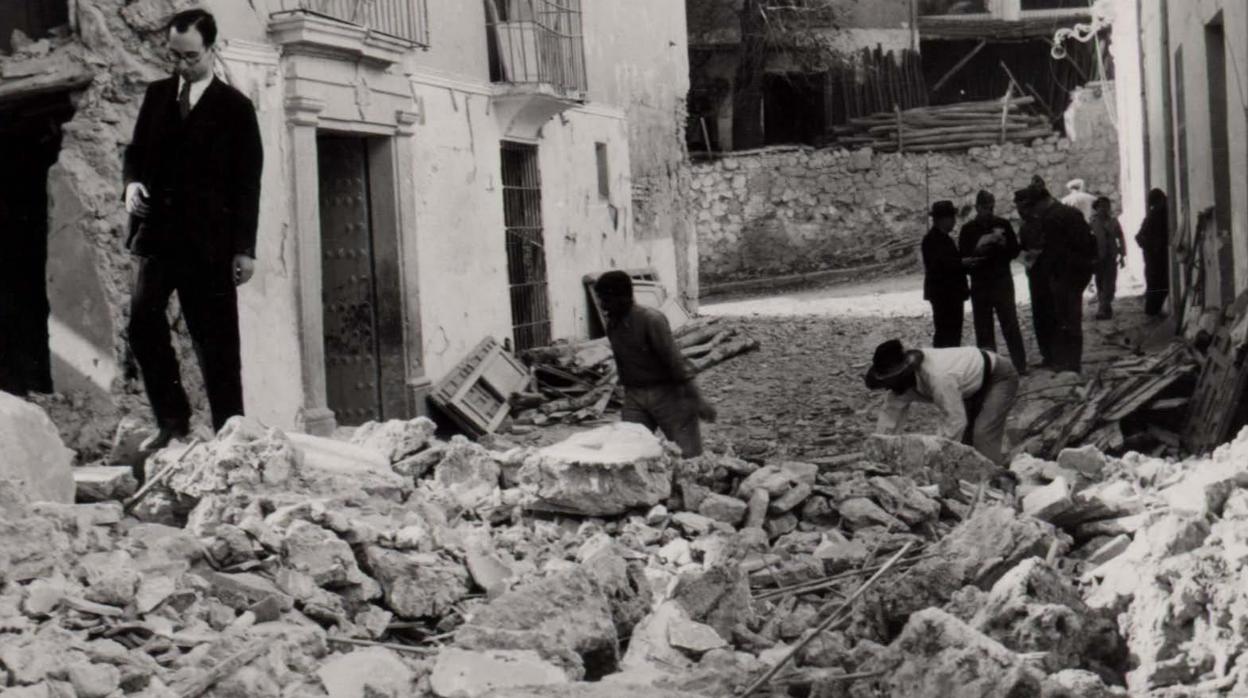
[
  {"x": 791, "y": 499},
  {"x": 719, "y": 597},
  {"x": 93, "y": 680},
  {"x": 99, "y": 483},
  {"x": 924, "y": 455},
  {"x": 602, "y": 472},
  {"x": 32, "y": 453},
  {"x": 566, "y": 618},
  {"x": 693, "y": 524},
  {"x": 373, "y": 672},
  {"x": 1086, "y": 460},
  {"x": 860, "y": 512},
  {"x": 1078, "y": 683},
  {"x": 938, "y": 655},
  {"x": 772, "y": 478},
  {"x": 693, "y": 637},
  {"x": 650, "y": 653},
  {"x": 1050, "y": 501},
  {"x": 320, "y": 554},
  {"x": 723, "y": 508},
  {"x": 759, "y": 503},
  {"x": 395, "y": 439},
  {"x": 468, "y": 674},
  {"x": 417, "y": 585}
]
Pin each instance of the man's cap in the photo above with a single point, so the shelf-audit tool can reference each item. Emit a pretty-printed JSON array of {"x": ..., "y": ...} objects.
[
  {"x": 891, "y": 360},
  {"x": 614, "y": 283},
  {"x": 985, "y": 198},
  {"x": 944, "y": 208},
  {"x": 1075, "y": 184}
]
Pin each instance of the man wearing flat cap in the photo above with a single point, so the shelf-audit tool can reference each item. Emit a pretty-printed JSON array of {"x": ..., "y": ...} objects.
[
  {"x": 974, "y": 390},
  {"x": 944, "y": 280},
  {"x": 659, "y": 389},
  {"x": 988, "y": 245}
]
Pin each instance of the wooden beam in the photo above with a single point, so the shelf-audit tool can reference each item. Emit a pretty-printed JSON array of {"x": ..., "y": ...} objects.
[{"x": 959, "y": 65}]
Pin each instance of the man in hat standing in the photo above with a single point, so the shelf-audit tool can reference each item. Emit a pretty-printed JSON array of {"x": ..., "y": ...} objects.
[
  {"x": 988, "y": 244},
  {"x": 1111, "y": 255},
  {"x": 944, "y": 281},
  {"x": 659, "y": 389},
  {"x": 1031, "y": 244},
  {"x": 974, "y": 390},
  {"x": 1066, "y": 260}
]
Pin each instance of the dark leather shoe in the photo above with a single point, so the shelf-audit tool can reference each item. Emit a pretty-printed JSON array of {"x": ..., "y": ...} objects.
[{"x": 162, "y": 438}]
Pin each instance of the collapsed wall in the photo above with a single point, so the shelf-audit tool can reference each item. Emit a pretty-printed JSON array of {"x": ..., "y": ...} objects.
[
  {"x": 106, "y": 65},
  {"x": 789, "y": 210}
]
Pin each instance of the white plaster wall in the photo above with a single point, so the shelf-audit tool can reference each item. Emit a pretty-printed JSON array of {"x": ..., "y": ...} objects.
[
  {"x": 455, "y": 256},
  {"x": 1187, "y": 20}
]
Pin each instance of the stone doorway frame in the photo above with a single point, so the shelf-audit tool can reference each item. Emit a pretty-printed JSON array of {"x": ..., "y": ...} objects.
[{"x": 324, "y": 93}]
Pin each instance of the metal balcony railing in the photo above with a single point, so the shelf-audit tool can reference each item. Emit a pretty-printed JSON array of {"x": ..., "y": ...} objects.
[
  {"x": 403, "y": 19},
  {"x": 537, "y": 42}
]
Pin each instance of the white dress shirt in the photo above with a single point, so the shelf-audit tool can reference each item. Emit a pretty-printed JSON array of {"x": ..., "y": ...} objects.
[
  {"x": 197, "y": 88},
  {"x": 945, "y": 378}
]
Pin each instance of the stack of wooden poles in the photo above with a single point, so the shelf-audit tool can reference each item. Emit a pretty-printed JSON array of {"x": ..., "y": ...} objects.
[{"x": 949, "y": 127}]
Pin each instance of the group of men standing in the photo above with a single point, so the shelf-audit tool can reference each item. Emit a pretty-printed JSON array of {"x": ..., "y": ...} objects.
[{"x": 1062, "y": 251}]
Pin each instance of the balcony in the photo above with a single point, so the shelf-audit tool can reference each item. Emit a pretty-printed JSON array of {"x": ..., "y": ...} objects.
[
  {"x": 378, "y": 31},
  {"x": 537, "y": 61}
]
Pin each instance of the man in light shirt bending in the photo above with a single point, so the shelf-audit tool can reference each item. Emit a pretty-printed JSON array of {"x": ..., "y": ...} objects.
[{"x": 973, "y": 388}]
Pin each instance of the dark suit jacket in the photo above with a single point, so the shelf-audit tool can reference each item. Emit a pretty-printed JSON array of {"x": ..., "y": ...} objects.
[
  {"x": 203, "y": 174},
  {"x": 945, "y": 279},
  {"x": 996, "y": 263}
]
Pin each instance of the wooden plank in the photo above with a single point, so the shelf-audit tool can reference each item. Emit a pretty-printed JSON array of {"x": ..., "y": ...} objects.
[{"x": 1142, "y": 395}]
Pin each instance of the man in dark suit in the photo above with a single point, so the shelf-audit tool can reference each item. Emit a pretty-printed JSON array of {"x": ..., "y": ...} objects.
[
  {"x": 988, "y": 245},
  {"x": 944, "y": 283},
  {"x": 1066, "y": 259},
  {"x": 192, "y": 175}
]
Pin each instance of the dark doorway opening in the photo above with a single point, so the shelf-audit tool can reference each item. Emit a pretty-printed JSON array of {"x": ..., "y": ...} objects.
[
  {"x": 33, "y": 17},
  {"x": 526, "y": 247},
  {"x": 793, "y": 106},
  {"x": 30, "y": 139},
  {"x": 361, "y": 283}
]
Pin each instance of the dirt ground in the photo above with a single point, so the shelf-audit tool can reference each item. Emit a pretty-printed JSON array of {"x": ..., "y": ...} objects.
[{"x": 802, "y": 393}]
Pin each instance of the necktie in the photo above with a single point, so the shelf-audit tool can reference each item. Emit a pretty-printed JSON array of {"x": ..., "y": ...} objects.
[{"x": 184, "y": 99}]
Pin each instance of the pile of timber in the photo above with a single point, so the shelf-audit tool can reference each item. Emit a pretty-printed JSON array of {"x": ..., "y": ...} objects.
[
  {"x": 1138, "y": 402},
  {"x": 950, "y": 127},
  {"x": 577, "y": 382}
]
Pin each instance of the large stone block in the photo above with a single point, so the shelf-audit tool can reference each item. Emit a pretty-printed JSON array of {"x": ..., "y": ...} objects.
[
  {"x": 938, "y": 655},
  {"x": 417, "y": 585},
  {"x": 602, "y": 472},
  {"x": 566, "y": 618},
  {"x": 31, "y": 452},
  {"x": 395, "y": 439},
  {"x": 924, "y": 455}
]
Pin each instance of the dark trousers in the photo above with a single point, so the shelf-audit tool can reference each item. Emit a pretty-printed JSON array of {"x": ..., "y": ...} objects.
[
  {"x": 995, "y": 297},
  {"x": 1067, "y": 344},
  {"x": 670, "y": 408},
  {"x": 1156, "y": 280},
  {"x": 1042, "y": 313},
  {"x": 947, "y": 318},
  {"x": 209, "y": 304},
  {"x": 1106, "y": 285}
]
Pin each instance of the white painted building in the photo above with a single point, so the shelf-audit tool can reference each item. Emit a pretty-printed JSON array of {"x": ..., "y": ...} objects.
[{"x": 493, "y": 133}]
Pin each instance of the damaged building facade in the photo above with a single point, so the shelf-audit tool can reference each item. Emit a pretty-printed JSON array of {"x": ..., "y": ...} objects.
[
  {"x": 436, "y": 172},
  {"x": 1187, "y": 115}
]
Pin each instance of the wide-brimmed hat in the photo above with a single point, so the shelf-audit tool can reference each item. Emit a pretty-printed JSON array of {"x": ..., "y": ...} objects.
[
  {"x": 891, "y": 361},
  {"x": 943, "y": 208}
]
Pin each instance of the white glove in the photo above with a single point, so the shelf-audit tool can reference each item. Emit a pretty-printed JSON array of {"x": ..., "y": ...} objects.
[{"x": 136, "y": 199}]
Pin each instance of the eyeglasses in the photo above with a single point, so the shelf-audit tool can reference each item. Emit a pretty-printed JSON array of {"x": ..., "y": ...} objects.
[{"x": 179, "y": 57}]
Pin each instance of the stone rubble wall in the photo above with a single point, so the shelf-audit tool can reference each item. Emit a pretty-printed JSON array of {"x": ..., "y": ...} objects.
[{"x": 796, "y": 209}]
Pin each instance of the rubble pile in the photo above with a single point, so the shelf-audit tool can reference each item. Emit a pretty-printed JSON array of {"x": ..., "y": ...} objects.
[
  {"x": 267, "y": 564},
  {"x": 575, "y": 382}
]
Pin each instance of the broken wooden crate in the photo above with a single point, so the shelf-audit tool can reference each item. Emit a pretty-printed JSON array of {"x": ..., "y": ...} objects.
[{"x": 476, "y": 393}]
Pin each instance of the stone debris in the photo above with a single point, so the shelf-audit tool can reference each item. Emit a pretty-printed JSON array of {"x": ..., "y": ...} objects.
[
  {"x": 391, "y": 563},
  {"x": 31, "y": 452}
]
